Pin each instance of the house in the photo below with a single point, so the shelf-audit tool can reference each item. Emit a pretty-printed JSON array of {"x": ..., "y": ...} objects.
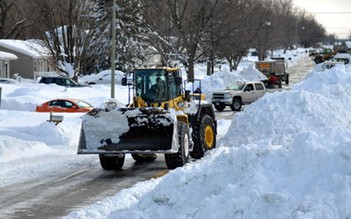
[
  {"x": 5, "y": 59},
  {"x": 33, "y": 58}
]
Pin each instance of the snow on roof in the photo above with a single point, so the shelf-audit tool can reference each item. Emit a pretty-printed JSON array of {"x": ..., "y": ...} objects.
[
  {"x": 348, "y": 44},
  {"x": 33, "y": 48},
  {"x": 7, "y": 56}
]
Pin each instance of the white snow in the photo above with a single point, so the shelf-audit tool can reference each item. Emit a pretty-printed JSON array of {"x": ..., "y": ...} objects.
[
  {"x": 33, "y": 48},
  {"x": 288, "y": 155},
  {"x": 114, "y": 131},
  {"x": 7, "y": 56}
]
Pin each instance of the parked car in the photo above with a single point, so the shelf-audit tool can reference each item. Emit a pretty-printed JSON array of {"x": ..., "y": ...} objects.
[
  {"x": 103, "y": 77},
  {"x": 59, "y": 80},
  {"x": 7, "y": 81},
  {"x": 338, "y": 59},
  {"x": 65, "y": 106},
  {"x": 344, "y": 58}
]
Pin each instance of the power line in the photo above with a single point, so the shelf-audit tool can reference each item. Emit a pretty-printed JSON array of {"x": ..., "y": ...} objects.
[
  {"x": 336, "y": 12},
  {"x": 339, "y": 28}
]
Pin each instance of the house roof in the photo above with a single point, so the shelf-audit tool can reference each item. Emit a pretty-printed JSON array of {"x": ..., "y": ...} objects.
[
  {"x": 7, "y": 56},
  {"x": 31, "y": 48}
]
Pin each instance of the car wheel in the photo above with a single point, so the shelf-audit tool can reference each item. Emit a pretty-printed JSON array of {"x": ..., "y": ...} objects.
[{"x": 236, "y": 105}]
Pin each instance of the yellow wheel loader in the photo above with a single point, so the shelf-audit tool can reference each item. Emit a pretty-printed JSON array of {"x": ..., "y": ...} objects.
[{"x": 164, "y": 117}]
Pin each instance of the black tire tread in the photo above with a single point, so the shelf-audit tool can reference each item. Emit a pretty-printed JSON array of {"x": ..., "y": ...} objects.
[
  {"x": 198, "y": 137},
  {"x": 178, "y": 159},
  {"x": 144, "y": 158},
  {"x": 111, "y": 162}
]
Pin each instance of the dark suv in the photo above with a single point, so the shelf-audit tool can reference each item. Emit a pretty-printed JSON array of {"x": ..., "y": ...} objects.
[{"x": 62, "y": 81}]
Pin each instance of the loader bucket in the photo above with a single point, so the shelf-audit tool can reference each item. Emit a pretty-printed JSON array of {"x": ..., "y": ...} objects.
[{"x": 128, "y": 130}]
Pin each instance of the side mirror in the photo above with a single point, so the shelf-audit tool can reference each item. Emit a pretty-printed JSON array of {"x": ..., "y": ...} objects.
[
  {"x": 124, "y": 81},
  {"x": 187, "y": 95}
]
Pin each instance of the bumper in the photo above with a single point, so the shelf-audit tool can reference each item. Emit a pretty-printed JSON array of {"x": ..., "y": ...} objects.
[{"x": 219, "y": 102}]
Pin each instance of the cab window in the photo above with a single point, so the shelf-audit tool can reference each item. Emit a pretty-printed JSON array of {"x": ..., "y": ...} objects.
[{"x": 259, "y": 86}]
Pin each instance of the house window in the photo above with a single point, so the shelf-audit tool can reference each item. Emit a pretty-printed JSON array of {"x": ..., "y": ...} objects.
[
  {"x": 6, "y": 68},
  {"x": 35, "y": 66}
]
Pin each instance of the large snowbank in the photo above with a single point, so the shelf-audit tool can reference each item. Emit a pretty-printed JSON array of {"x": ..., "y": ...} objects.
[{"x": 288, "y": 155}]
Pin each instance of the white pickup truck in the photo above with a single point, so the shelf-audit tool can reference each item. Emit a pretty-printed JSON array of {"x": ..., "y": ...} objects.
[{"x": 238, "y": 95}]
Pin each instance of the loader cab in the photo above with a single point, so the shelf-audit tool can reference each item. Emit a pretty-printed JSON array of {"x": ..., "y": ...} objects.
[{"x": 156, "y": 85}]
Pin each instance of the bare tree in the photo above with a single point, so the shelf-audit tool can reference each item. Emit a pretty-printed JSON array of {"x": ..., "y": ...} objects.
[
  {"x": 159, "y": 33},
  {"x": 262, "y": 13},
  {"x": 239, "y": 33},
  {"x": 192, "y": 20},
  {"x": 286, "y": 21},
  {"x": 309, "y": 32},
  {"x": 78, "y": 32},
  {"x": 15, "y": 19},
  {"x": 68, "y": 30}
]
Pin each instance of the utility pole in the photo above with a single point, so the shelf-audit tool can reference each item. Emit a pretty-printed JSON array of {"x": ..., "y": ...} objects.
[{"x": 113, "y": 52}]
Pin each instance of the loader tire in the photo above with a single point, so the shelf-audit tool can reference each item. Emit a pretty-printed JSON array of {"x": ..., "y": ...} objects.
[
  {"x": 140, "y": 158},
  {"x": 112, "y": 162},
  {"x": 180, "y": 158},
  {"x": 204, "y": 137}
]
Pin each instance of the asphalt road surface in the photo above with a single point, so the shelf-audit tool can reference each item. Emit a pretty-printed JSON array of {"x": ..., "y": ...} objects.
[{"x": 55, "y": 196}]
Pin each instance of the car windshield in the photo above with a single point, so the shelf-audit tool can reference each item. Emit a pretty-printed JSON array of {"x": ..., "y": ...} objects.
[
  {"x": 236, "y": 87},
  {"x": 83, "y": 104},
  {"x": 151, "y": 84},
  {"x": 69, "y": 82}
]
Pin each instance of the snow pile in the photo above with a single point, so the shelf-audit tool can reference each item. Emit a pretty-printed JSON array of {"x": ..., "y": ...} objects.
[
  {"x": 223, "y": 79},
  {"x": 12, "y": 148},
  {"x": 288, "y": 155},
  {"x": 252, "y": 74},
  {"x": 112, "y": 131}
]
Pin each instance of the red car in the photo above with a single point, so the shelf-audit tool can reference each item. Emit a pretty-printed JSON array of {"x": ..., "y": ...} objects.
[{"x": 64, "y": 106}]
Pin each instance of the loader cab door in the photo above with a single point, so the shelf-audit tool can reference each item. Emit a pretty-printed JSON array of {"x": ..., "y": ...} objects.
[
  {"x": 151, "y": 85},
  {"x": 174, "y": 81}
]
